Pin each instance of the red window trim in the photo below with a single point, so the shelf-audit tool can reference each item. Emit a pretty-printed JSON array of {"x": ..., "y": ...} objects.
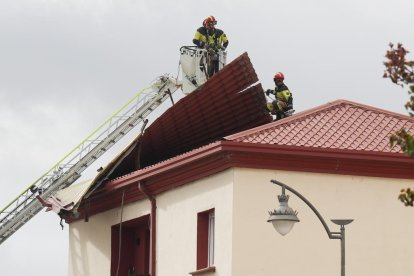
[{"x": 202, "y": 239}]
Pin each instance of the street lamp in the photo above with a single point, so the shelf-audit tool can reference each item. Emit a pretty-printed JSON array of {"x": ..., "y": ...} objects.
[{"x": 284, "y": 217}]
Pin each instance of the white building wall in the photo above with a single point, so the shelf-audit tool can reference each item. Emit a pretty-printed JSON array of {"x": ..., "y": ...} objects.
[
  {"x": 378, "y": 242},
  {"x": 90, "y": 242},
  {"x": 177, "y": 225},
  {"x": 176, "y": 248}
]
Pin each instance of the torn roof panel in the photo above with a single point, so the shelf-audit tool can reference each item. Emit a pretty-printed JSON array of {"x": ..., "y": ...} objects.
[
  {"x": 240, "y": 109},
  {"x": 225, "y": 104},
  {"x": 68, "y": 198}
]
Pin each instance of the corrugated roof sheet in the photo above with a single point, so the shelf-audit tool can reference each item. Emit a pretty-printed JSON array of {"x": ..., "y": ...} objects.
[
  {"x": 227, "y": 103},
  {"x": 341, "y": 124}
]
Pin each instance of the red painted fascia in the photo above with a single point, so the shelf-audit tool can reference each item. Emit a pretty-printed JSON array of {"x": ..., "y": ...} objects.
[
  {"x": 243, "y": 154},
  {"x": 164, "y": 167},
  {"x": 222, "y": 155},
  {"x": 346, "y": 162},
  {"x": 314, "y": 152}
]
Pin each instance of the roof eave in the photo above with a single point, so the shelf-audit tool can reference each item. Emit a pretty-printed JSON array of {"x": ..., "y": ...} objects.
[
  {"x": 222, "y": 155},
  {"x": 241, "y": 154}
]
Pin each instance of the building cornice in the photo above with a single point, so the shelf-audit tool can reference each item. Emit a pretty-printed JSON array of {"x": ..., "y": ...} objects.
[{"x": 222, "y": 155}]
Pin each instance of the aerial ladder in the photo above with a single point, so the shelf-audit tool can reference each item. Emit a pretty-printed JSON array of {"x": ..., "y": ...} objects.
[
  {"x": 193, "y": 62},
  {"x": 69, "y": 169}
]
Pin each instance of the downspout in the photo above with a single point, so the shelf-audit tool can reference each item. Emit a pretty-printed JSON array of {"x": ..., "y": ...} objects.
[{"x": 153, "y": 218}]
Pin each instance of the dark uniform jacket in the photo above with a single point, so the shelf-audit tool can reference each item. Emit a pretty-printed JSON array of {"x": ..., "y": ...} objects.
[
  {"x": 284, "y": 99},
  {"x": 214, "y": 37}
]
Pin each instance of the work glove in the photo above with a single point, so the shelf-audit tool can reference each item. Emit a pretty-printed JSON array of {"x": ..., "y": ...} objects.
[
  {"x": 268, "y": 92},
  {"x": 201, "y": 44}
]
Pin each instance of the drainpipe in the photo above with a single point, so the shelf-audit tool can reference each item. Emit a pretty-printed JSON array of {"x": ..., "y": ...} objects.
[{"x": 151, "y": 198}]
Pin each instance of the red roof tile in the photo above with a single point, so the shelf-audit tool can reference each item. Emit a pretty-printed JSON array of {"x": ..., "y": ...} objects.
[
  {"x": 341, "y": 137},
  {"x": 341, "y": 124}
]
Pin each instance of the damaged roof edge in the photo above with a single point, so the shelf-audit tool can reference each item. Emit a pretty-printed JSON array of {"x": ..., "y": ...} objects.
[{"x": 229, "y": 102}]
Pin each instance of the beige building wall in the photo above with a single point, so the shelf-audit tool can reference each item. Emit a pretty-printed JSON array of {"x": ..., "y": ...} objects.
[
  {"x": 177, "y": 209},
  {"x": 90, "y": 242},
  {"x": 177, "y": 225},
  {"x": 379, "y": 241}
]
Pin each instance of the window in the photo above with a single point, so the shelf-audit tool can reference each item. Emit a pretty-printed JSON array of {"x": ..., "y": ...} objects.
[
  {"x": 210, "y": 260},
  {"x": 205, "y": 239}
]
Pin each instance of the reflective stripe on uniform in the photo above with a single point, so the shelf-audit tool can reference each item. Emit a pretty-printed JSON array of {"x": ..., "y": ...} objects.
[
  {"x": 283, "y": 95},
  {"x": 201, "y": 35}
]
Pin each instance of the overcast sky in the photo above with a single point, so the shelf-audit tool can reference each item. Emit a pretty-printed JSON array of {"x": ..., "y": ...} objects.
[{"x": 67, "y": 65}]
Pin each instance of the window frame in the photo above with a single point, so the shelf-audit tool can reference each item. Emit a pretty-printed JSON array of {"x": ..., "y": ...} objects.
[{"x": 205, "y": 239}]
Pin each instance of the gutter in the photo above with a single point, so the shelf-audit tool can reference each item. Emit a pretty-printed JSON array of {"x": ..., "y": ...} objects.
[{"x": 142, "y": 188}]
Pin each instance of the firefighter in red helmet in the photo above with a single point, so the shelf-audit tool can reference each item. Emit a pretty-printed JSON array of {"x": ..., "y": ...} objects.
[
  {"x": 212, "y": 39},
  {"x": 284, "y": 100}
]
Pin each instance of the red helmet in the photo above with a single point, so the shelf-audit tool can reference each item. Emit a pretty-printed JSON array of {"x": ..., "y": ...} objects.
[
  {"x": 210, "y": 22},
  {"x": 279, "y": 76}
]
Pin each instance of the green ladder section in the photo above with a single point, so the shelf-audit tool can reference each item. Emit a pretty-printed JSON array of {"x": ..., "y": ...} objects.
[{"x": 69, "y": 168}]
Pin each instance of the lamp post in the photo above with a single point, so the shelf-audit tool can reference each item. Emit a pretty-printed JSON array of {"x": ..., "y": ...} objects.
[{"x": 284, "y": 217}]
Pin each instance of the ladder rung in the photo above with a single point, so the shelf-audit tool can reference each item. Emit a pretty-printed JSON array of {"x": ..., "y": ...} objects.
[{"x": 24, "y": 207}]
